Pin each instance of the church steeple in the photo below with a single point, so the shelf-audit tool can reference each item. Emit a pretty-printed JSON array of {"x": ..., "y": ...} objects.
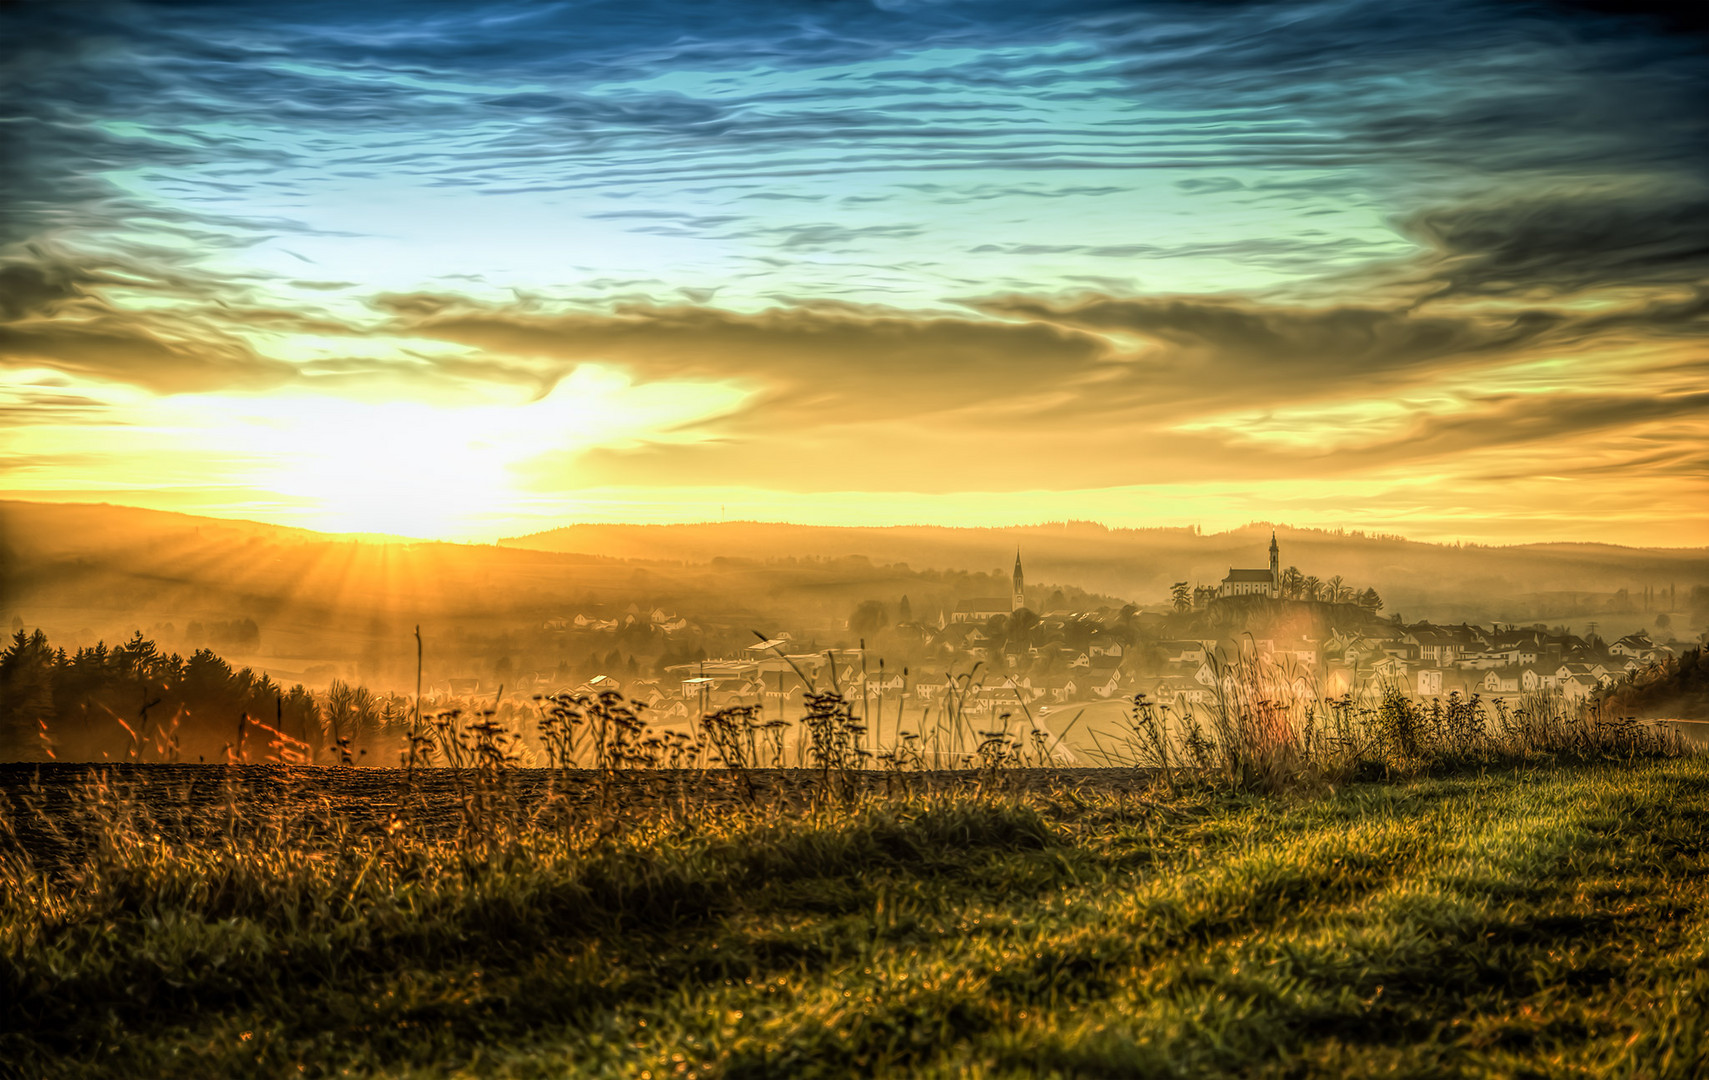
[
  {"x": 1275, "y": 567},
  {"x": 1019, "y": 600}
]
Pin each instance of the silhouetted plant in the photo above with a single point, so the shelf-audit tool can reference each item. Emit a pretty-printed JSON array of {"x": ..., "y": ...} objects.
[
  {"x": 834, "y": 738},
  {"x": 731, "y": 734}
]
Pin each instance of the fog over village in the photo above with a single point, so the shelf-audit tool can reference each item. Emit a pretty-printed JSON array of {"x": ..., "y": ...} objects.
[{"x": 685, "y": 632}]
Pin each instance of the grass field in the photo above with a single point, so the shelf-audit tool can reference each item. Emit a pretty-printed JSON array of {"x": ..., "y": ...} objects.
[{"x": 1550, "y": 921}]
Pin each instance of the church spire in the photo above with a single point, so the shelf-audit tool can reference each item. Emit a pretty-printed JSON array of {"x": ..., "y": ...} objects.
[
  {"x": 1275, "y": 567},
  {"x": 1019, "y": 600}
]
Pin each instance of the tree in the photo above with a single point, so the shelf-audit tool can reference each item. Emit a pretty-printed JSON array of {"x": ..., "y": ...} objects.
[
  {"x": 1338, "y": 590},
  {"x": 1293, "y": 582},
  {"x": 904, "y": 610},
  {"x": 1311, "y": 588},
  {"x": 1370, "y": 600},
  {"x": 137, "y": 657},
  {"x": 1022, "y": 623},
  {"x": 868, "y": 618},
  {"x": 27, "y": 693},
  {"x": 1181, "y": 595}
]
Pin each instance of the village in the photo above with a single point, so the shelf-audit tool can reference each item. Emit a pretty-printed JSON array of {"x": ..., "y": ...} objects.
[{"x": 993, "y": 655}]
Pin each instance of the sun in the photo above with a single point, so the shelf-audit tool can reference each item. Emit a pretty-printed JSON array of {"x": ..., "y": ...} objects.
[{"x": 434, "y": 470}]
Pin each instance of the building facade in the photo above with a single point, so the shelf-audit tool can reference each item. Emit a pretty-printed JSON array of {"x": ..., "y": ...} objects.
[{"x": 1256, "y": 582}]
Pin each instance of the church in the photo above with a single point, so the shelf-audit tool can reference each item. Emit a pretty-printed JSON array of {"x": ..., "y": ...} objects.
[
  {"x": 979, "y": 610},
  {"x": 1256, "y": 582}
]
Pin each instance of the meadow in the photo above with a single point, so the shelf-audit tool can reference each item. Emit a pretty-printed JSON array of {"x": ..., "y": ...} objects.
[{"x": 1526, "y": 901}]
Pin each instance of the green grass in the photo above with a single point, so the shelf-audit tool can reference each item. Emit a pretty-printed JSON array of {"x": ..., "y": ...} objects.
[{"x": 1538, "y": 922}]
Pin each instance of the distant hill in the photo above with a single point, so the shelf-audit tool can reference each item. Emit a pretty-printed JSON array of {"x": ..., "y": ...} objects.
[
  {"x": 301, "y": 604},
  {"x": 1519, "y": 583}
]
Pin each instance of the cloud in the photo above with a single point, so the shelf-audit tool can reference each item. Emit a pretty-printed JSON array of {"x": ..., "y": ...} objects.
[
  {"x": 37, "y": 287},
  {"x": 1568, "y": 242},
  {"x": 993, "y": 447},
  {"x": 1499, "y": 421},
  {"x": 37, "y": 405},
  {"x": 999, "y": 449},
  {"x": 819, "y": 358},
  {"x": 1212, "y": 352},
  {"x": 125, "y": 351},
  {"x": 56, "y": 312},
  {"x": 830, "y": 236},
  {"x": 1303, "y": 256},
  {"x": 1047, "y": 393}
]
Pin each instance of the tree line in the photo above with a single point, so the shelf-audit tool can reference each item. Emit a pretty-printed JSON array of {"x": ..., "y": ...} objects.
[
  {"x": 1299, "y": 586},
  {"x": 135, "y": 701}
]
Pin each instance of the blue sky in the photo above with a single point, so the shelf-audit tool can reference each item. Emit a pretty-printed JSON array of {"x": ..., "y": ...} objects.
[{"x": 468, "y": 270}]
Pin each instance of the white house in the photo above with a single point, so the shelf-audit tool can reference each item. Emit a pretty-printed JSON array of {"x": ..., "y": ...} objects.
[{"x": 980, "y": 609}]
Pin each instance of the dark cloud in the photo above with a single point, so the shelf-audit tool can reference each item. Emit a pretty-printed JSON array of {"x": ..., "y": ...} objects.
[
  {"x": 1539, "y": 419},
  {"x": 37, "y": 287},
  {"x": 1567, "y": 242},
  {"x": 126, "y": 351},
  {"x": 1686, "y": 18},
  {"x": 822, "y": 357},
  {"x": 29, "y": 405},
  {"x": 54, "y": 313},
  {"x": 1210, "y": 351}
]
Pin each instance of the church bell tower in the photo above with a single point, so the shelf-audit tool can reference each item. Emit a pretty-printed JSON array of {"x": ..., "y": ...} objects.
[{"x": 1275, "y": 567}]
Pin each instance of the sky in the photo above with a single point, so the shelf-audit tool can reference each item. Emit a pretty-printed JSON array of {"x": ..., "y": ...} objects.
[{"x": 465, "y": 271}]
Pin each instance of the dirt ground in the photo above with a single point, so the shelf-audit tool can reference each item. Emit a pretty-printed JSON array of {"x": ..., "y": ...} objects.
[{"x": 56, "y": 813}]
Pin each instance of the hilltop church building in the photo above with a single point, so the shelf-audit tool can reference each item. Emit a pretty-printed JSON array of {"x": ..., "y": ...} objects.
[{"x": 1256, "y": 582}]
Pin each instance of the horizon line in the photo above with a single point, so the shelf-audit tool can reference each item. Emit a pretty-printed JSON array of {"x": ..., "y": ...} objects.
[{"x": 371, "y": 536}]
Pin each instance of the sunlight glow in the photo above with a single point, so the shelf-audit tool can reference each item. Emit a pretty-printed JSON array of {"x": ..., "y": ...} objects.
[
  {"x": 417, "y": 469},
  {"x": 410, "y": 468}
]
